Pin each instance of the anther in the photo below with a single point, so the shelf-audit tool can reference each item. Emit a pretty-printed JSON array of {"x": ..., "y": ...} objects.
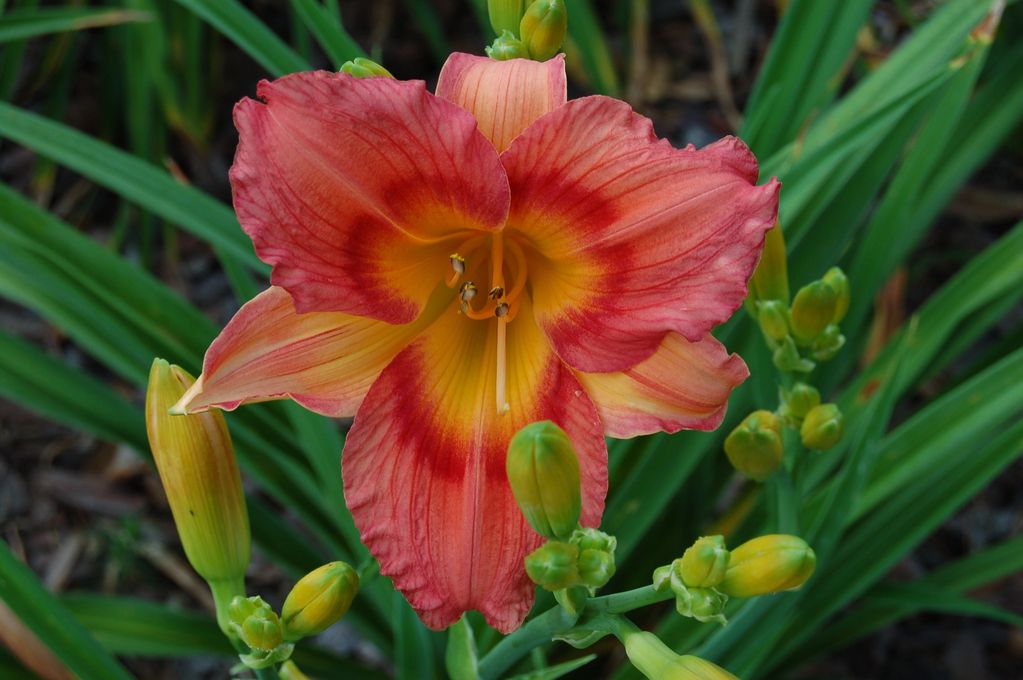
[
  {"x": 467, "y": 291},
  {"x": 457, "y": 263},
  {"x": 501, "y": 310},
  {"x": 496, "y": 293}
]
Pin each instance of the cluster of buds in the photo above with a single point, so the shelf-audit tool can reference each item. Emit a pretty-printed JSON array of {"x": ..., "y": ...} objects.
[
  {"x": 707, "y": 574},
  {"x": 805, "y": 332},
  {"x": 533, "y": 32},
  {"x": 657, "y": 661},
  {"x": 257, "y": 625},
  {"x": 543, "y": 472}
]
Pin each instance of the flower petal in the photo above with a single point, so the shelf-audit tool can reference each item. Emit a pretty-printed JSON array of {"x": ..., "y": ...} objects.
[
  {"x": 325, "y": 361},
  {"x": 357, "y": 189},
  {"x": 683, "y": 385},
  {"x": 634, "y": 238},
  {"x": 424, "y": 467},
  {"x": 504, "y": 96}
]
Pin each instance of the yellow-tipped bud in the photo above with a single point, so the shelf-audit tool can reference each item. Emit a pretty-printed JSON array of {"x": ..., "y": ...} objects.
[
  {"x": 704, "y": 562},
  {"x": 262, "y": 631},
  {"x": 505, "y": 15},
  {"x": 554, "y": 565},
  {"x": 197, "y": 467},
  {"x": 772, "y": 315},
  {"x": 543, "y": 472},
  {"x": 506, "y": 46},
  {"x": 812, "y": 311},
  {"x": 360, "y": 67},
  {"x": 822, "y": 428},
  {"x": 754, "y": 448},
  {"x": 839, "y": 282},
  {"x": 690, "y": 667},
  {"x": 289, "y": 671},
  {"x": 768, "y": 564},
  {"x": 799, "y": 401},
  {"x": 319, "y": 600},
  {"x": 596, "y": 567},
  {"x": 648, "y": 654},
  {"x": 771, "y": 279},
  {"x": 543, "y": 28}
]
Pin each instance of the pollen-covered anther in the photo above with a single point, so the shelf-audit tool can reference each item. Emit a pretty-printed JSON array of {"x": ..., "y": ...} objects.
[
  {"x": 468, "y": 291},
  {"x": 496, "y": 293},
  {"x": 501, "y": 310},
  {"x": 457, "y": 263}
]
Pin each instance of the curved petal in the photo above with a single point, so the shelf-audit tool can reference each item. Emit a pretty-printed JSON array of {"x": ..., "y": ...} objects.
[
  {"x": 682, "y": 386},
  {"x": 424, "y": 467},
  {"x": 504, "y": 96},
  {"x": 634, "y": 238},
  {"x": 357, "y": 189},
  {"x": 325, "y": 361}
]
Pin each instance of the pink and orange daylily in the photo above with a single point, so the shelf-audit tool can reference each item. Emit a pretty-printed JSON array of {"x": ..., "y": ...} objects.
[{"x": 450, "y": 268}]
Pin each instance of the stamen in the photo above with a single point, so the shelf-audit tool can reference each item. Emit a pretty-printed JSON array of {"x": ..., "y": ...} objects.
[
  {"x": 502, "y": 353},
  {"x": 496, "y": 293},
  {"x": 457, "y": 263},
  {"x": 468, "y": 291},
  {"x": 501, "y": 310}
]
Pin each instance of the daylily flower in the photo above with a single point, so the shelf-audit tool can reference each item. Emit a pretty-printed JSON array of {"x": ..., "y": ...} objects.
[{"x": 450, "y": 268}]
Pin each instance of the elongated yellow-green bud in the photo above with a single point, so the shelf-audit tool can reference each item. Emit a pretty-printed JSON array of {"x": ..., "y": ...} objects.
[
  {"x": 798, "y": 401},
  {"x": 772, "y": 315},
  {"x": 812, "y": 311},
  {"x": 543, "y": 472},
  {"x": 554, "y": 565},
  {"x": 768, "y": 564},
  {"x": 197, "y": 467},
  {"x": 690, "y": 667},
  {"x": 839, "y": 282},
  {"x": 754, "y": 448},
  {"x": 543, "y": 28},
  {"x": 360, "y": 67},
  {"x": 289, "y": 671},
  {"x": 262, "y": 631},
  {"x": 319, "y": 600},
  {"x": 505, "y": 15},
  {"x": 506, "y": 46},
  {"x": 771, "y": 279},
  {"x": 648, "y": 654},
  {"x": 822, "y": 428},
  {"x": 704, "y": 562}
]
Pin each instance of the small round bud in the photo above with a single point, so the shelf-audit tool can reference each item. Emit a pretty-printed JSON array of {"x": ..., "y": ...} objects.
[
  {"x": 319, "y": 600},
  {"x": 242, "y": 608},
  {"x": 812, "y": 310},
  {"x": 360, "y": 67},
  {"x": 543, "y": 28},
  {"x": 704, "y": 562},
  {"x": 799, "y": 401},
  {"x": 543, "y": 472},
  {"x": 553, "y": 565},
  {"x": 506, "y": 46},
  {"x": 772, "y": 316},
  {"x": 588, "y": 538},
  {"x": 262, "y": 630},
  {"x": 768, "y": 564},
  {"x": 754, "y": 448},
  {"x": 504, "y": 15},
  {"x": 822, "y": 428},
  {"x": 702, "y": 604},
  {"x": 839, "y": 282},
  {"x": 596, "y": 567},
  {"x": 771, "y": 279}
]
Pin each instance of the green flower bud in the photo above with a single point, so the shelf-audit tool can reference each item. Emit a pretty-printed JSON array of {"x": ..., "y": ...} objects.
[
  {"x": 648, "y": 654},
  {"x": 588, "y": 538},
  {"x": 262, "y": 631},
  {"x": 799, "y": 401},
  {"x": 754, "y": 448},
  {"x": 704, "y": 562},
  {"x": 772, "y": 315},
  {"x": 360, "y": 67},
  {"x": 771, "y": 279},
  {"x": 702, "y": 604},
  {"x": 826, "y": 346},
  {"x": 543, "y": 28},
  {"x": 812, "y": 310},
  {"x": 839, "y": 282},
  {"x": 768, "y": 564},
  {"x": 319, "y": 600},
  {"x": 596, "y": 567},
  {"x": 543, "y": 472},
  {"x": 506, "y": 46},
  {"x": 554, "y": 565},
  {"x": 505, "y": 15},
  {"x": 822, "y": 428},
  {"x": 242, "y": 608},
  {"x": 690, "y": 667}
]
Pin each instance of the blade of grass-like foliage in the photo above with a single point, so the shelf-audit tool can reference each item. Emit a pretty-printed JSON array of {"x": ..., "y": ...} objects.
[
  {"x": 52, "y": 623},
  {"x": 415, "y": 656},
  {"x": 557, "y": 671},
  {"x": 586, "y": 41},
  {"x": 426, "y": 20},
  {"x": 801, "y": 71},
  {"x": 245, "y": 30},
  {"x": 41, "y": 383},
  {"x": 32, "y": 23},
  {"x": 328, "y": 31},
  {"x": 132, "y": 178}
]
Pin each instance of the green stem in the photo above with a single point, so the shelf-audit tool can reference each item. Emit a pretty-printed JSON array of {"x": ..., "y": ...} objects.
[
  {"x": 223, "y": 592},
  {"x": 619, "y": 603}
]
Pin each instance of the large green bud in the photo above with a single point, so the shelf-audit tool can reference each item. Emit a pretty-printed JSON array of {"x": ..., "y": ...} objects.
[
  {"x": 768, "y": 564},
  {"x": 771, "y": 278},
  {"x": 543, "y": 28},
  {"x": 812, "y": 310},
  {"x": 319, "y": 600},
  {"x": 554, "y": 565},
  {"x": 754, "y": 448},
  {"x": 543, "y": 472},
  {"x": 822, "y": 428},
  {"x": 704, "y": 562},
  {"x": 505, "y": 15}
]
